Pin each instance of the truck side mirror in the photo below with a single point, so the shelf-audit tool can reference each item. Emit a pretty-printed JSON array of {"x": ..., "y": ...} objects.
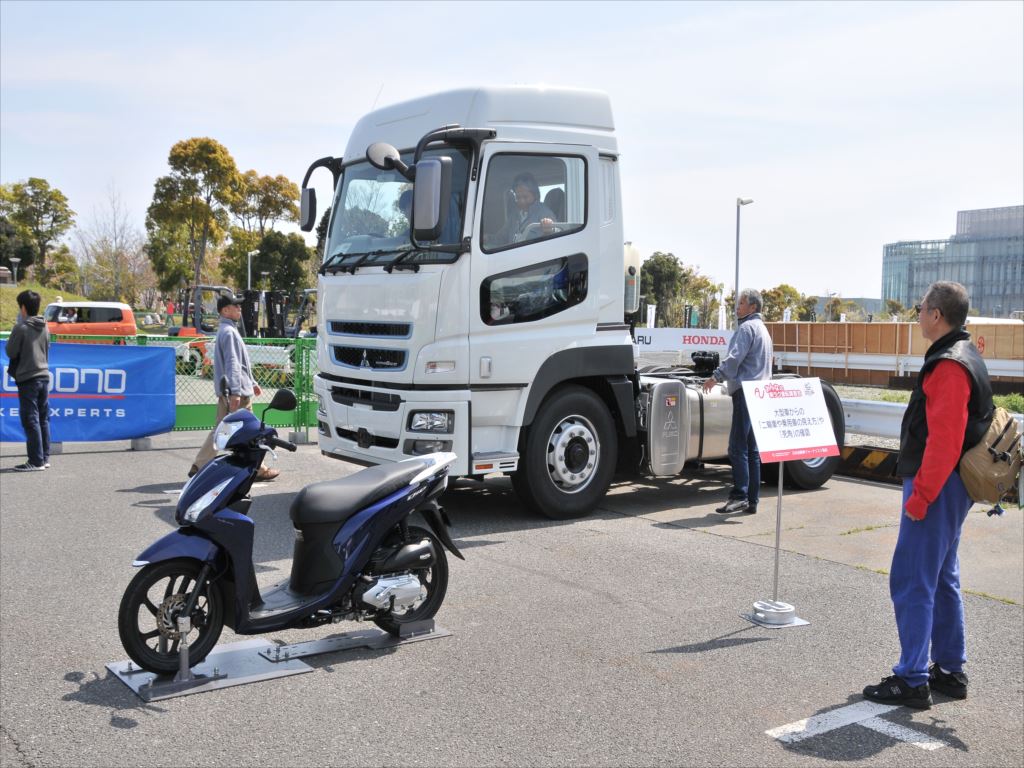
[
  {"x": 307, "y": 210},
  {"x": 432, "y": 197}
]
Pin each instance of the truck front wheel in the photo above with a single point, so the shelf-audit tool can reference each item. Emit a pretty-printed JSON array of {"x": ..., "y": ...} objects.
[{"x": 568, "y": 455}]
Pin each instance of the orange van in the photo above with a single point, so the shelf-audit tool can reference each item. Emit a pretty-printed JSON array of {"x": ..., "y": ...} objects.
[{"x": 90, "y": 318}]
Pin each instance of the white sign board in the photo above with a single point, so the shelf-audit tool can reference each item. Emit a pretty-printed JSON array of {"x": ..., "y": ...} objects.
[
  {"x": 790, "y": 418},
  {"x": 681, "y": 340}
]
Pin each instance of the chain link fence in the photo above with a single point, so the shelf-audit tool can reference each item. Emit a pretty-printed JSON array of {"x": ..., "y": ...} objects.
[{"x": 276, "y": 363}]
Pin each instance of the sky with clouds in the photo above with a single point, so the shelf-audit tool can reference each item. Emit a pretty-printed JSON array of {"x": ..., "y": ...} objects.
[{"x": 851, "y": 125}]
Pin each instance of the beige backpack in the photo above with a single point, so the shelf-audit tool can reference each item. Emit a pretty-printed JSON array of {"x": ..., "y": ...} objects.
[{"x": 990, "y": 470}]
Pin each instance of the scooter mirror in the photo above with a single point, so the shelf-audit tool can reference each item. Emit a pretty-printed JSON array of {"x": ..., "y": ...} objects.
[{"x": 283, "y": 400}]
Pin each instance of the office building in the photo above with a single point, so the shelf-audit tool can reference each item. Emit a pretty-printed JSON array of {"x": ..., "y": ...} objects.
[{"x": 986, "y": 255}]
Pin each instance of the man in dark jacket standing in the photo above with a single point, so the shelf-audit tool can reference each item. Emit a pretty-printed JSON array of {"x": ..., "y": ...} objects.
[
  {"x": 28, "y": 350},
  {"x": 949, "y": 411}
]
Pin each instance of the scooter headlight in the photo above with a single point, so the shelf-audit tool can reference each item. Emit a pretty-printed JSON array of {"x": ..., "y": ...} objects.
[
  {"x": 201, "y": 504},
  {"x": 225, "y": 431}
]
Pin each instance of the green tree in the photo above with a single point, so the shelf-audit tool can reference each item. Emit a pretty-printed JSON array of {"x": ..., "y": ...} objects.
[
  {"x": 807, "y": 308},
  {"x": 661, "y": 281},
  {"x": 893, "y": 307},
  {"x": 168, "y": 251},
  {"x": 832, "y": 309},
  {"x": 263, "y": 201},
  {"x": 41, "y": 213},
  {"x": 777, "y": 299},
  {"x": 63, "y": 271},
  {"x": 701, "y": 292},
  {"x": 196, "y": 196},
  {"x": 285, "y": 257},
  {"x": 15, "y": 242}
]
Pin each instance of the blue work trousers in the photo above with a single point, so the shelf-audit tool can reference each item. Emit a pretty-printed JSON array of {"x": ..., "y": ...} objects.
[
  {"x": 925, "y": 584},
  {"x": 34, "y": 411},
  {"x": 746, "y": 461}
]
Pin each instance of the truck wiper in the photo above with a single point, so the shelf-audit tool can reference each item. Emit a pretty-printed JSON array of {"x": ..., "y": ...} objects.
[
  {"x": 330, "y": 260},
  {"x": 399, "y": 263},
  {"x": 358, "y": 262}
]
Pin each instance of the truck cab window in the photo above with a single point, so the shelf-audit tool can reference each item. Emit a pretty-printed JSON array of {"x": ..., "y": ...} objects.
[
  {"x": 532, "y": 197},
  {"x": 370, "y": 221},
  {"x": 534, "y": 292}
]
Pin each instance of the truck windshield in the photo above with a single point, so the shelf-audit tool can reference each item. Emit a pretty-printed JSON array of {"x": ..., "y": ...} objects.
[{"x": 371, "y": 219}]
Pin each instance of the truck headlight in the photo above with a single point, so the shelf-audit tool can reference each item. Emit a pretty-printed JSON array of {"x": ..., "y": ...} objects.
[
  {"x": 201, "y": 504},
  {"x": 431, "y": 421}
]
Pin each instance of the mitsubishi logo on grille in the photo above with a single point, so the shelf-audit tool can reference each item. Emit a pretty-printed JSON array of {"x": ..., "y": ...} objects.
[{"x": 365, "y": 362}]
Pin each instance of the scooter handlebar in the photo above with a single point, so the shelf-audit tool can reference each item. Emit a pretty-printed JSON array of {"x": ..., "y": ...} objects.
[{"x": 275, "y": 442}]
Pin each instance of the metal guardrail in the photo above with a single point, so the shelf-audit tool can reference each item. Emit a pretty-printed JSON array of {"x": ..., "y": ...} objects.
[
  {"x": 881, "y": 419},
  {"x": 899, "y": 365}
]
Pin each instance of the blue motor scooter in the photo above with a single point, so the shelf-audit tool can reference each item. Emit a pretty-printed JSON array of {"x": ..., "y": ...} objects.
[{"x": 355, "y": 555}]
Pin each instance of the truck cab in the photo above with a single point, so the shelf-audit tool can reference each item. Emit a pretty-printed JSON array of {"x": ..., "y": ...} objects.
[
  {"x": 453, "y": 343},
  {"x": 473, "y": 295}
]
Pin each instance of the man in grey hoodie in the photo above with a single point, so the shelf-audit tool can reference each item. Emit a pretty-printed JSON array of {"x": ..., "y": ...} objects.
[{"x": 28, "y": 350}]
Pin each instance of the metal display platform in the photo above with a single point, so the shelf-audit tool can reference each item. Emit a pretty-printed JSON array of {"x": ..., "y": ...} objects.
[{"x": 255, "y": 660}]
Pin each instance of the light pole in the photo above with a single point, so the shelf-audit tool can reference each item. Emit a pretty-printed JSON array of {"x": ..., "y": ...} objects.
[
  {"x": 15, "y": 261},
  {"x": 248, "y": 284},
  {"x": 740, "y": 202}
]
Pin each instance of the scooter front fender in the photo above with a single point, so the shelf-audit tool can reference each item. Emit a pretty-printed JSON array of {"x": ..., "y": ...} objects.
[{"x": 178, "y": 543}]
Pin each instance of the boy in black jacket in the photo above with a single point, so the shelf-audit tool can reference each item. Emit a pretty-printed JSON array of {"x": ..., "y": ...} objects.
[{"x": 28, "y": 349}]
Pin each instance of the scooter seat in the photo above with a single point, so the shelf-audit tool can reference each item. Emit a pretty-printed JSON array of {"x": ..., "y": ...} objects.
[{"x": 334, "y": 501}]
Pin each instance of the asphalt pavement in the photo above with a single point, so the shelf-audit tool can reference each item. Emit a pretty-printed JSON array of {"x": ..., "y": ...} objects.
[{"x": 613, "y": 640}]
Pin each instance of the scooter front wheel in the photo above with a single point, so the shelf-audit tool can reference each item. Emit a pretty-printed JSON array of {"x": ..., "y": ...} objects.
[
  {"x": 148, "y": 618},
  {"x": 434, "y": 577}
]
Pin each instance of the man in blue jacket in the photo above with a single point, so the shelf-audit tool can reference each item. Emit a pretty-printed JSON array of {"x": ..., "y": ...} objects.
[
  {"x": 749, "y": 358},
  {"x": 28, "y": 350}
]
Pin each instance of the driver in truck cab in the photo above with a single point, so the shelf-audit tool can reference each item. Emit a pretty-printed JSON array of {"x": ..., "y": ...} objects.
[{"x": 529, "y": 210}]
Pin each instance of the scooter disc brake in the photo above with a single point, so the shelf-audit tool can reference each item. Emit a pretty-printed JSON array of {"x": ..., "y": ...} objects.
[{"x": 170, "y": 610}]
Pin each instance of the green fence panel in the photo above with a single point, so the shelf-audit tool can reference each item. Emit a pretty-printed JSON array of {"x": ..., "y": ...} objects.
[{"x": 276, "y": 363}]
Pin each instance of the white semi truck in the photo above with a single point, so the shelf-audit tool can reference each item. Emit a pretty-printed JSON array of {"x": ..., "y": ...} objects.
[{"x": 493, "y": 324}]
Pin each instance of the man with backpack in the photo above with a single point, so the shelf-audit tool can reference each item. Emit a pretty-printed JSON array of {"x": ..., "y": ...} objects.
[{"x": 949, "y": 411}]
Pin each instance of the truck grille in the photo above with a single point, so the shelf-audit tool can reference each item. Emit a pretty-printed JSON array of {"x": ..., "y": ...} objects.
[
  {"x": 353, "y": 328},
  {"x": 379, "y": 401},
  {"x": 369, "y": 440},
  {"x": 370, "y": 358}
]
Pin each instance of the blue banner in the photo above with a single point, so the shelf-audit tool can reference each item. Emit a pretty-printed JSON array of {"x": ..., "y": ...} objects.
[{"x": 98, "y": 392}]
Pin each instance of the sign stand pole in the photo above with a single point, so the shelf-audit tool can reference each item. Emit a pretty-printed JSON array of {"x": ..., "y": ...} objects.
[
  {"x": 772, "y": 613},
  {"x": 791, "y": 422}
]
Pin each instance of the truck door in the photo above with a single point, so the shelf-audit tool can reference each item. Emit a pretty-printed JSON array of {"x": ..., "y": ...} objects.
[{"x": 534, "y": 248}]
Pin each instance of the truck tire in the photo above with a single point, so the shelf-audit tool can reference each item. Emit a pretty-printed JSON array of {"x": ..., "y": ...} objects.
[
  {"x": 568, "y": 455},
  {"x": 814, "y": 473}
]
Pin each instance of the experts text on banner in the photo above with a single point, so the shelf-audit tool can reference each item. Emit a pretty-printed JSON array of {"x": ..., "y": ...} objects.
[{"x": 98, "y": 392}]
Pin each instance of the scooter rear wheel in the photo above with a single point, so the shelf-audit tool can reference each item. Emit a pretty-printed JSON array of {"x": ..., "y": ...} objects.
[
  {"x": 147, "y": 619},
  {"x": 434, "y": 577}
]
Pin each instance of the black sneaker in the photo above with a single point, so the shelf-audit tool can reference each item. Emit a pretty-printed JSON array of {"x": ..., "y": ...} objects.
[
  {"x": 751, "y": 509},
  {"x": 26, "y": 467},
  {"x": 733, "y": 505},
  {"x": 895, "y": 690},
  {"x": 953, "y": 684}
]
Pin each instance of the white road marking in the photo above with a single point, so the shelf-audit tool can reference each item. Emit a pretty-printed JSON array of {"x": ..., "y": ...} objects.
[
  {"x": 901, "y": 732},
  {"x": 864, "y": 713}
]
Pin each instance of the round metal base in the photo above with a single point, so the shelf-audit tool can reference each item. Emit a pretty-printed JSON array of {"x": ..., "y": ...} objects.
[{"x": 774, "y": 612}]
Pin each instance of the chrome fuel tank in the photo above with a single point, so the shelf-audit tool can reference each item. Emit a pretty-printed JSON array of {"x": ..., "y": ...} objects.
[{"x": 682, "y": 423}]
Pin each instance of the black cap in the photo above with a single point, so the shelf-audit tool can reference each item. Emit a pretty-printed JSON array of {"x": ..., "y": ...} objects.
[{"x": 225, "y": 301}]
